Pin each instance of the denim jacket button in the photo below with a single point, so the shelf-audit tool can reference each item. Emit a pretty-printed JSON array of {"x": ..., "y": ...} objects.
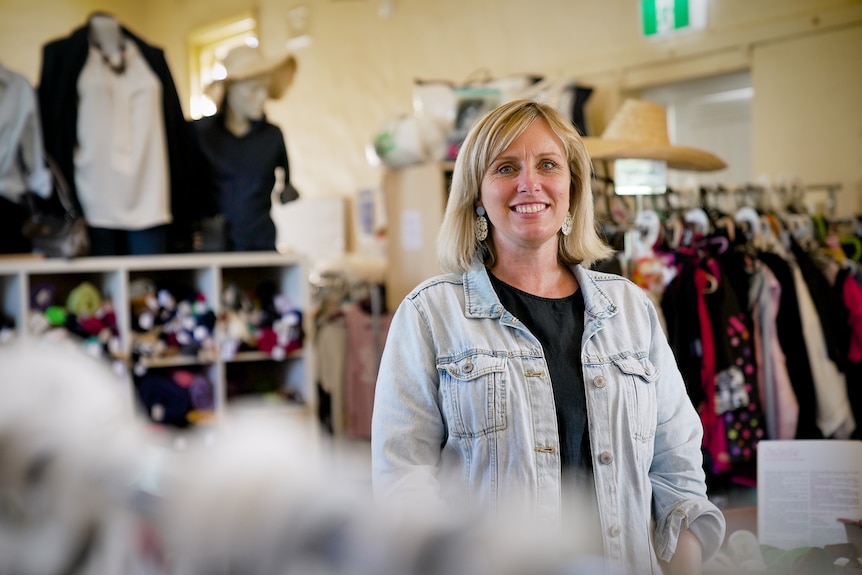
[
  {"x": 615, "y": 531},
  {"x": 606, "y": 457},
  {"x": 599, "y": 381}
]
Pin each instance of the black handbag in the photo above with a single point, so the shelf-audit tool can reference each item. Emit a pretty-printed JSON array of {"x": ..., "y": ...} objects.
[{"x": 54, "y": 235}]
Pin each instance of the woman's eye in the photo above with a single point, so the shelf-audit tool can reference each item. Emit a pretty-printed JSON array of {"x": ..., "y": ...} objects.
[
  {"x": 504, "y": 169},
  {"x": 549, "y": 165}
]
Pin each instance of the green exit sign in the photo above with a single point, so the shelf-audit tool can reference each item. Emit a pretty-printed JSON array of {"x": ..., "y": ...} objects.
[{"x": 661, "y": 17}]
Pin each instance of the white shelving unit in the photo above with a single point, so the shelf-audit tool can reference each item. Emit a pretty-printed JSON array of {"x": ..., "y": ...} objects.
[{"x": 209, "y": 274}]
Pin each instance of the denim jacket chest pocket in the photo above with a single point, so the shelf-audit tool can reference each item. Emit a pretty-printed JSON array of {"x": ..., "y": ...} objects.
[
  {"x": 474, "y": 394},
  {"x": 638, "y": 379}
]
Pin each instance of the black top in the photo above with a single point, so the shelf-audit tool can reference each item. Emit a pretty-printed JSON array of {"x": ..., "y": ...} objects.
[
  {"x": 240, "y": 174},
  {"x": 558, "y": 324}
]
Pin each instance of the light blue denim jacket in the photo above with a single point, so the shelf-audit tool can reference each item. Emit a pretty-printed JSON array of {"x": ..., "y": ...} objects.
[{"x": 464, "y": 413}]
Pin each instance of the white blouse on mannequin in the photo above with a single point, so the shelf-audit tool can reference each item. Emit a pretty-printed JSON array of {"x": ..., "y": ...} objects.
[{"x": 121, "y": 163}]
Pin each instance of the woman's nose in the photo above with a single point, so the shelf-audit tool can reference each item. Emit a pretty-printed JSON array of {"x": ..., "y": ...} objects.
[{"x": 529, "y": 180}]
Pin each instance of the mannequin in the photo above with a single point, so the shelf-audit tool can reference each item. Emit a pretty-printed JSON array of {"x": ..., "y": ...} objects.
[
  {"x": 244, "y": 103},
  {"x": 107, "y": 36},
  {"x": 243, "y": 158},
  {"x": 113, "y": 121}
]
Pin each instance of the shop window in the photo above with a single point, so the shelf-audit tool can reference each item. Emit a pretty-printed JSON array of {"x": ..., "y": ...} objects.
[{"x": 207, "y": 47}]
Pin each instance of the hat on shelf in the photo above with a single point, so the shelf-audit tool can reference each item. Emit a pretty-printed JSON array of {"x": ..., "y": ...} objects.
[
  {"x": 245, "y": 62},
  {"x": 639, "y": 131}
]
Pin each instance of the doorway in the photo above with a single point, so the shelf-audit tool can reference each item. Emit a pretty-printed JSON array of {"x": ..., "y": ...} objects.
[{"x": 712, "y": 114}]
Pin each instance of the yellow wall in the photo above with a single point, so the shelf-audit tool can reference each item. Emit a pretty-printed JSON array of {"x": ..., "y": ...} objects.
[
  {"x": 807, "y": 111},
  {"x": 805, "y": 57}
]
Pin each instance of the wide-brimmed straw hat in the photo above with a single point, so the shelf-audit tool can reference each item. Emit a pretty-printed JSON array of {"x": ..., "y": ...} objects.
[
  {"x": 639, "y": 131},
  {"x": 245, "y": 62}
]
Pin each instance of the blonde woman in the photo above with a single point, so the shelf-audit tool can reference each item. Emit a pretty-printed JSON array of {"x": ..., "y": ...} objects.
[{"x": 522, "y": 380}]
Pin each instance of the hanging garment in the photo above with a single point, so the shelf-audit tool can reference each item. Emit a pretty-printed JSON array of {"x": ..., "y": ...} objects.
[
  {"x": 850, "y": 293},
  {"x": 789, "y": 326},
  {"x": 366, "y": 335},
  {"x": 834, "y": 417},
  {"x": 332, "y": 352},
  {"x": 679, "y": 306},
  {"x": 652, "y": 269},
  {"x": 737, "y": 400},
  {"x": 714, "y": 431},
  {"x": 22, "y": 161},
  {"x": 830, "y": 310},
  {"x": 780, "y": 406},
  {"x": 22, "y": 164}
]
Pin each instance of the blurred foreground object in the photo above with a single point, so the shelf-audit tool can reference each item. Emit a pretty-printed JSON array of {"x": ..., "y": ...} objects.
[{"x": 86, "y": 487}]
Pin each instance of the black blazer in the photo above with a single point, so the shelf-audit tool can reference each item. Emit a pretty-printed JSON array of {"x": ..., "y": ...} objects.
[{"x": 62, "y": 62}]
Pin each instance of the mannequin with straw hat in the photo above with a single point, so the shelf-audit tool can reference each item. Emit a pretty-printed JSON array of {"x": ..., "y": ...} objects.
[{"x": 243, "y": 158}]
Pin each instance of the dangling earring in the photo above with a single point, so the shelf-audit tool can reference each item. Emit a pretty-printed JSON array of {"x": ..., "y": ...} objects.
[
  {"x": 567, "y": 225},
  {"x": 481, "y": 229}
]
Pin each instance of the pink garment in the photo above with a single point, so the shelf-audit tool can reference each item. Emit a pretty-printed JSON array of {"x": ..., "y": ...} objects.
[
  {"x": 714, "y": 437},
  {"x": 366, "y": 336},
  {"x": 781, "y": 406},
  {"x": 853, "y": 300}
]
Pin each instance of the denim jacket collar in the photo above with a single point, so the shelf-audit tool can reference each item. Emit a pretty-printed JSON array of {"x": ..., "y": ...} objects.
[{"x": 480, "y": 299}]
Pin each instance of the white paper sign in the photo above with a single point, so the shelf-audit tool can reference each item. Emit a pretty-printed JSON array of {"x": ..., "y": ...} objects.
[
  {"x": 804, "y": 487},
  {"x": 411, "y": 230}
]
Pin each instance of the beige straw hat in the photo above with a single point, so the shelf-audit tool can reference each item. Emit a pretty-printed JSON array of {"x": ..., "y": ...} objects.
[
  {"x": 639, "y": 131},
  {"x": 245, "y": 62}
]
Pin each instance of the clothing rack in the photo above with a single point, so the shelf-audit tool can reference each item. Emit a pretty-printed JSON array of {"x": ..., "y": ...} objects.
[
  {"x": 831, "y": 190},
  {"x": 771, "y": 197},
  {"x": 723, "y": 198},
  {"x": 349, "y": 295}
]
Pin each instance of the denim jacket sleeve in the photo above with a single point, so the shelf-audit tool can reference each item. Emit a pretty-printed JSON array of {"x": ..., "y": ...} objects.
[
  {"x": 407, "y": 430},
  {"x": 676, "y": 474}
]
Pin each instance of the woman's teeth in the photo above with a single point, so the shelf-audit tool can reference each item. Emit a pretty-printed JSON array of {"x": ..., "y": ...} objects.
[{"x": 529, "y": 209}]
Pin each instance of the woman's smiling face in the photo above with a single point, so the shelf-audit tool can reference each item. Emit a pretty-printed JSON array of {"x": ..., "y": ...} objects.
[{"x": 525, "y": 191}]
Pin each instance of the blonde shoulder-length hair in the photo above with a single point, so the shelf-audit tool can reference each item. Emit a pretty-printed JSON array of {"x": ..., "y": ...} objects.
[{"x": 491, "y": 135}]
